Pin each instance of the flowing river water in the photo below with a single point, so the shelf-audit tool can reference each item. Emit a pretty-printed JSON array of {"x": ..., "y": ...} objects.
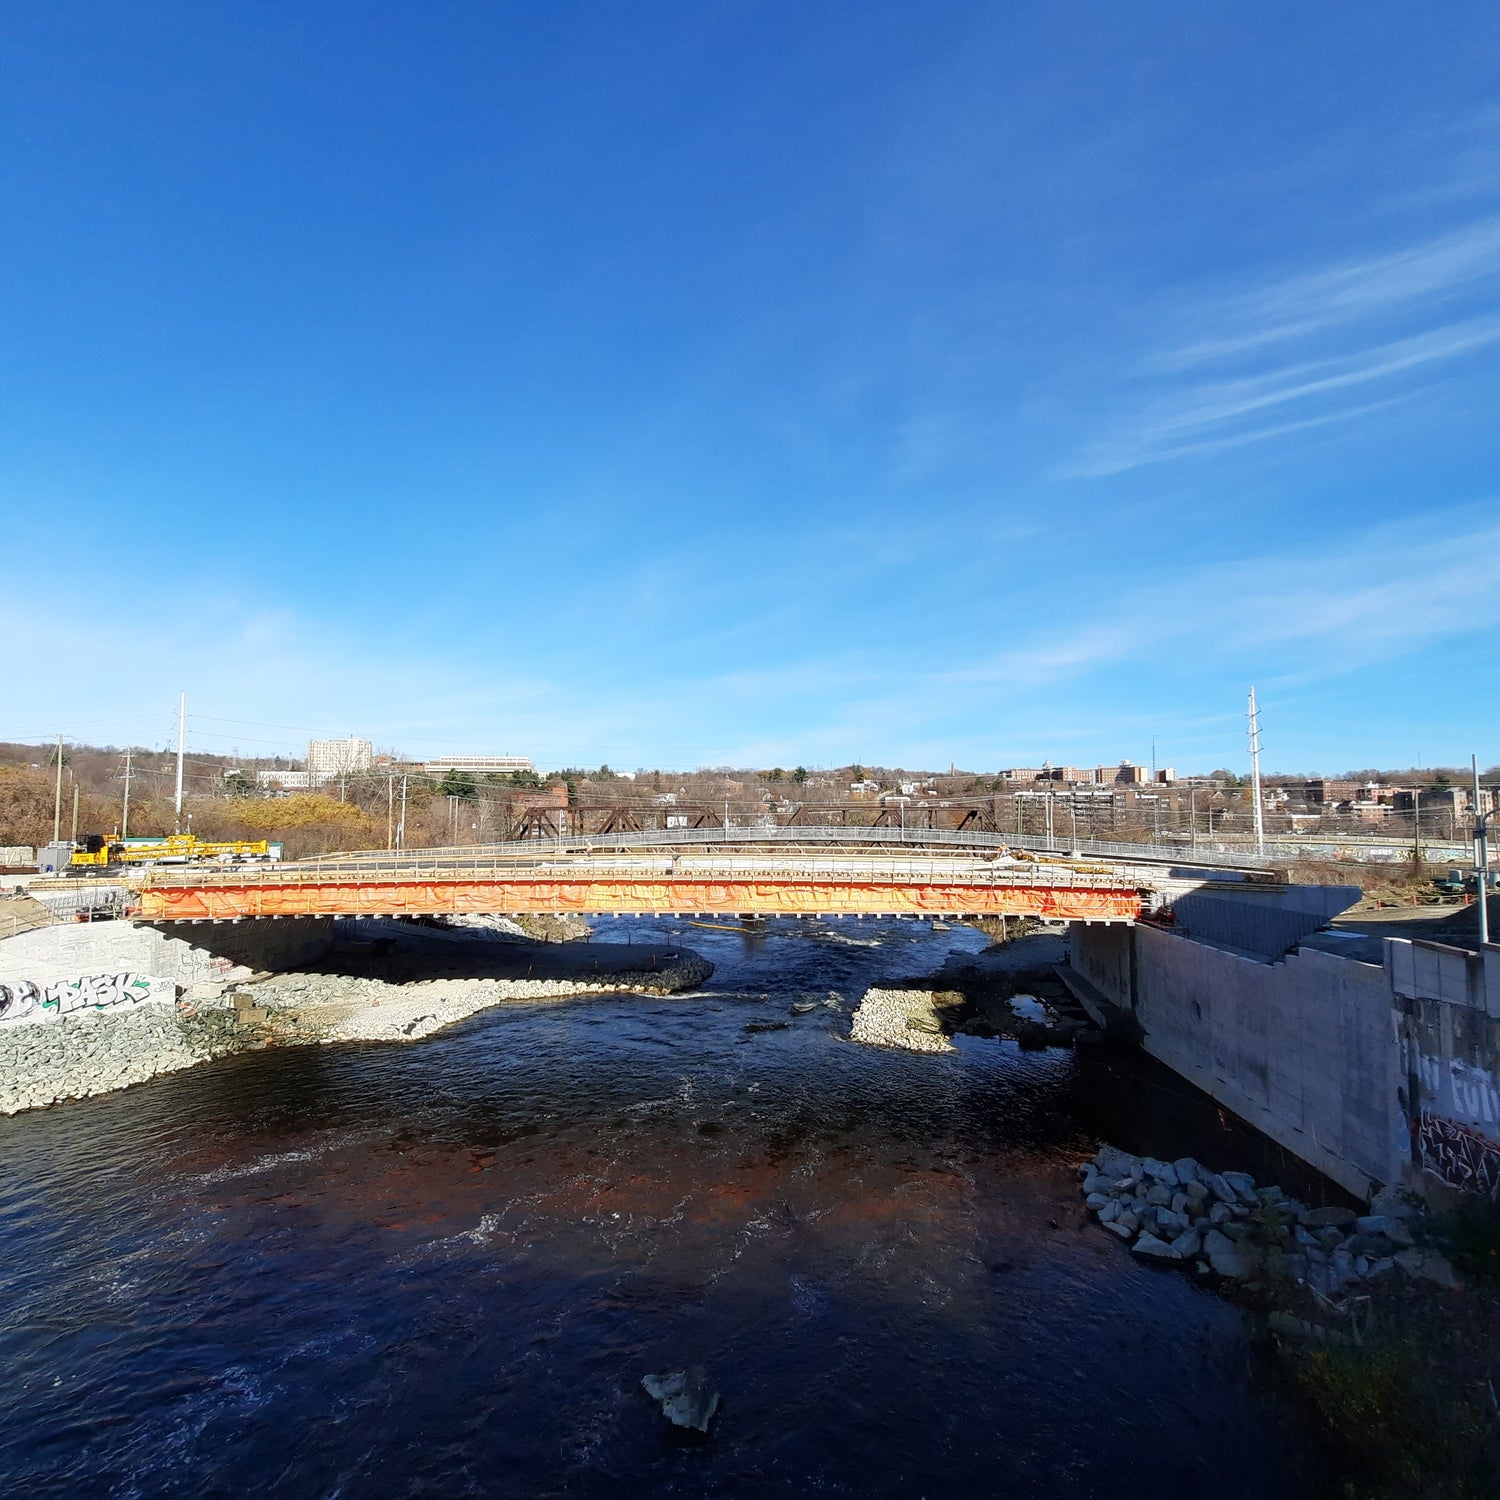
[{"x": 441, "y": 1269}]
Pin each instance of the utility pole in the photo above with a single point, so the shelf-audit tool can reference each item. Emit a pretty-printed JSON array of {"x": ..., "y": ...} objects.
[
  {"x": 390, "y": 804},
  {"x": 401, "y": 826},
  {"x": 75, "y": 812},
  {"x": 181, "y": 745},
  {"x": 125, "y": 811},
  {"x": 1481, "y": 859},
  {"x": 57, "y": 795},
  {"x": 1260, "y": 830}
]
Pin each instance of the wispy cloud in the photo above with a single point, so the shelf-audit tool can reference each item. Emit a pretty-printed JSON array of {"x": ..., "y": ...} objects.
[
  {"x": 1298, "y": 348},
  {"x": 1305, "y": 304}
]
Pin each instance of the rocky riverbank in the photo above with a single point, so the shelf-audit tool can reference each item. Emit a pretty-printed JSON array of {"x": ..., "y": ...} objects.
[
  {"x": 95, "y": 1052},
  {"x": 1223, "y": 1224},
  {"x": 337, "y": 1008}
]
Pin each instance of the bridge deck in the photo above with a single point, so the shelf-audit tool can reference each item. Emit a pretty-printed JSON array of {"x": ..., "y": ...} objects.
[{"x": 725, "y": 884}]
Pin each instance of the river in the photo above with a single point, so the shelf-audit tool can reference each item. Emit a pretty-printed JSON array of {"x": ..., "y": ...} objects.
[{"x": 441, "y": 1269}]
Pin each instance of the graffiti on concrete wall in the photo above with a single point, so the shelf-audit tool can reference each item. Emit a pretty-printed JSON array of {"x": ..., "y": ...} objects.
[
  {"x": 1459, "y": 1156},
  {"x": 25, "y": 1000}
]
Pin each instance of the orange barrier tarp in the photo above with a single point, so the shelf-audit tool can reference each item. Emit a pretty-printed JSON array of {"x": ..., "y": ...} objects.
[{"x": 432, "y": 897}]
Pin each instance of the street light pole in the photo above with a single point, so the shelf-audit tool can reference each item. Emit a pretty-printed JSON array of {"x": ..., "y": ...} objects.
[{"x": 1481, "y": 858}]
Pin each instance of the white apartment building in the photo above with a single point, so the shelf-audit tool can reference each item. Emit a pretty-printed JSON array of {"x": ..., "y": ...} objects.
[{"x": 329, "y": 758}]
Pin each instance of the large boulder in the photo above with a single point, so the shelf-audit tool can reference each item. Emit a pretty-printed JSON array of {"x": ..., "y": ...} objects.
[
  {"x": 1151, "y": 1248},
  {"x": 687, "y": 1399}
]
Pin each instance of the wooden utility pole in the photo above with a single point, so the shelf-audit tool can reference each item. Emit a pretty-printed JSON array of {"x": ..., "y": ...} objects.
[
  {"x": 125, "y": 811},
  {"x": 75, "y": 810}
]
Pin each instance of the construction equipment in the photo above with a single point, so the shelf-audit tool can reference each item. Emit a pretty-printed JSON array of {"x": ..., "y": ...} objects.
[{"x": 95, "y": 852}]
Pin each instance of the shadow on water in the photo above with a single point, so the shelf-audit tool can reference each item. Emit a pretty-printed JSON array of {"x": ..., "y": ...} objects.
[{"x": 442, "y": 1269}]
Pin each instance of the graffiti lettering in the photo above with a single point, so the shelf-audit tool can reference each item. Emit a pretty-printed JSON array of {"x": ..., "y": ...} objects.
[
  {"x": 1459, "y": 1156},
  {"x": 23, "y": 1000}
]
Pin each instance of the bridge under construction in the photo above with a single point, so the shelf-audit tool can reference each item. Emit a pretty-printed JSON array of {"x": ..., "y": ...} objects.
[{"x": 646, "y": 874}]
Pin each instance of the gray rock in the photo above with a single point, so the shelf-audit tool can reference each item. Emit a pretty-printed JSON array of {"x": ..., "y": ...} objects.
[
  {"x": 1160, "y": 1171},
  {"x": 1115, "y": 1163},
  {"x": 1159, "y": 1196},
  {"x": 1410, "y": 1261},
  {"x": 1374, "y": 1246},
  {"x": 1329, "y": 1239},
  {"x": 687, "y": 1399},
  {"x": 1215, "y": 1243},
  {"x": 1286, "y": 1266},
  {"x": 1233, "y": 1265},
  {"x": 1436, "y": 1268},
  {"x": 1169, "y": 1223},
  {"x": 1154, "y": 1249},
  {"x": 1392, "y": 1203},
  {"x": 1243, "y": 1185},
  {"x": 1187, "y": 1170},
  {"x": 1219, "y": 1188},
  {"x": 1388, "y": 1225},
  {"x": 1097, "y": 1201},
  {"x": 1117, "y": 1228},
  {"x": 1195, "y": 1192},
  {"x": 1220, "y": 1213},
  {"x": 1110, "y": 1211},
  {"x": 1179, "y": 1203},
  {"x": 1188, "y": 1245},
  {"x": 1128, "y": 1221},
  {"x": 1328, "y": 1218}
]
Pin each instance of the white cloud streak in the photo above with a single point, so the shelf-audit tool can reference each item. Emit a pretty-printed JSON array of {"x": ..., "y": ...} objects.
[{"x": 1303, "y": 345}]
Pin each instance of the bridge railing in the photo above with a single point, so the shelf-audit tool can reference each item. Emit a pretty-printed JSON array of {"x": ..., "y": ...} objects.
[
  {"x": 1204, "y": 857},
  {"x": 718, "y": 864}
]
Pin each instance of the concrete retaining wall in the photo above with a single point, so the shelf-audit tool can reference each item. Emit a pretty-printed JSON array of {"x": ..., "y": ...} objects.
[
  {"x": 1372, "y": 1073},
  {"x": 1448, "y": 1005},
  {"x": 200, "y": 953}
]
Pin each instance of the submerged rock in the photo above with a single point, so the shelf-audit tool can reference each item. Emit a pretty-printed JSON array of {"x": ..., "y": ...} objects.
[{"x": 687, "y": 1400}]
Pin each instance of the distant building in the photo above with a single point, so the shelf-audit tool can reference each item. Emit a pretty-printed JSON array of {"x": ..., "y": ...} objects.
[
  {"x": 330, "y": 758},
  {"x": 287, "y": 781},
  {"x": 1125, "y": 774},
  {"x": 478, "y": 765}
]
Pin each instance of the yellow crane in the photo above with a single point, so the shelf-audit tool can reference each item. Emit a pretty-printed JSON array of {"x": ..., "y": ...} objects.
[{"x": 173, "y": 848}]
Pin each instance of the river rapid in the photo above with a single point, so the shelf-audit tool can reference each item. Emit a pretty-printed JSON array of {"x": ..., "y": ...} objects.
[{"x": 442, "y": 1268}]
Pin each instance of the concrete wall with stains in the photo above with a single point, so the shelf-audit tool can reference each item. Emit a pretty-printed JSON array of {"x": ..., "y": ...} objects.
[
  {"x": 188, "y": 954},
  {"x": 1372, "y": 1073},
  {"x": 1448, "y": 1004}
]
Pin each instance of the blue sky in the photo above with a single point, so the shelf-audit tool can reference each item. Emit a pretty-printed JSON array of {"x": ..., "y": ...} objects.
[{"x": 754, "y": 383}]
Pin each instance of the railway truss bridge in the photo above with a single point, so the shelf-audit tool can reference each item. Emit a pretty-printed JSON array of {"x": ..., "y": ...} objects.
[{"x": 744, "y": 873}]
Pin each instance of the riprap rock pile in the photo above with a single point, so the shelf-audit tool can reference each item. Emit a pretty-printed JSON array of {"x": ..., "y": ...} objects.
[
  {"x": 900, "y": 1018},
  {"x": 1181, "y": 1212}
]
